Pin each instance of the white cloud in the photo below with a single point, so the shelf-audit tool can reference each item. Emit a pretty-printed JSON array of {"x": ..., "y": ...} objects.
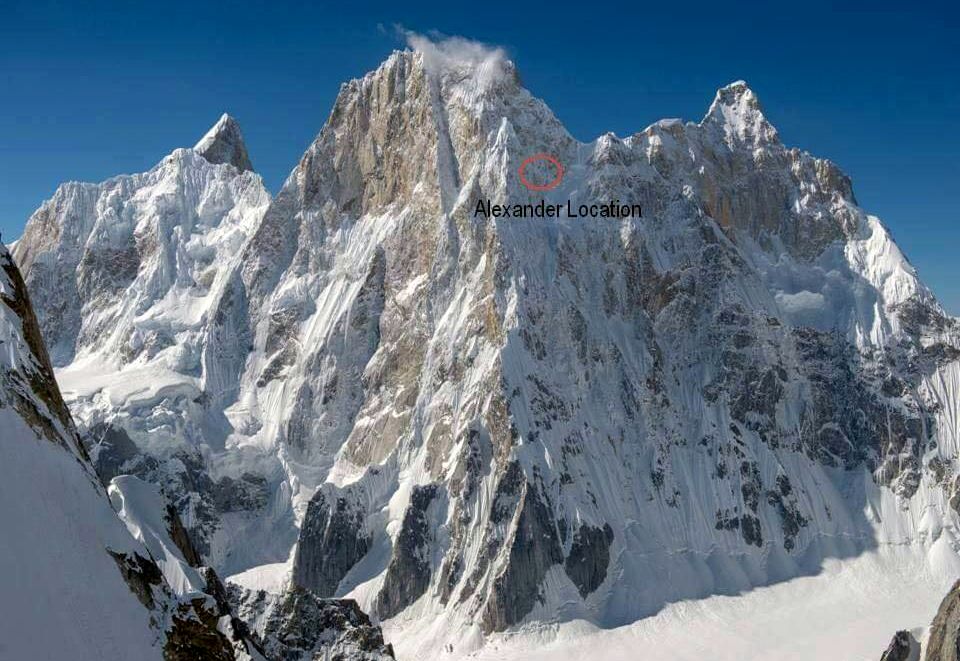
[{"x": 442, "y": 54}]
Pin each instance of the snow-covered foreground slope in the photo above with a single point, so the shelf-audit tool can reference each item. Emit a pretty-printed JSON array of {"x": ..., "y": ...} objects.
[
  {"x": 475, "y": 424},
  {"x": 62, "y": 593}
]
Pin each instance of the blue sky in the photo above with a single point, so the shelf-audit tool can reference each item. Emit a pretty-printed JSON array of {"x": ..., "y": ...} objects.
[{"x": 88, "y": 90}]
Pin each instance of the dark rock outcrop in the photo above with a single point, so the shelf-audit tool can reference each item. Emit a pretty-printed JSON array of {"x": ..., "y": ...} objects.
[
  {"x": 332, "y": 540},
  {"x": 112, "y": 452},
  {"x": 36, "y": 382},
  {"x": 408, "y": 574},
  {"x": 304, "y": 626},
  {"x": 180, "y": 536},
  {"x": 943, "y": 643},
  {"x": 193, "y": 635},
  {"x": 192, "y": 631},
  {"x": 903, "y": 647},
  {"x": 589, "y": 557},
  {"x": 534, "y": 547},
  {"x": 243, "y": 638},
  {"x": 141, "y": 575},
  {"x": 247, "y": 493}
]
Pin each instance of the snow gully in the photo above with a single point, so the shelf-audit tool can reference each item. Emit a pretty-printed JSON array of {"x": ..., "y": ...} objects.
[{"x": 611, "y": 209}]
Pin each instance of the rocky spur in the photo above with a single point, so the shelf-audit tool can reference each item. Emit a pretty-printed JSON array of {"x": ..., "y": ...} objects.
[{"x": 611, "y": 209}]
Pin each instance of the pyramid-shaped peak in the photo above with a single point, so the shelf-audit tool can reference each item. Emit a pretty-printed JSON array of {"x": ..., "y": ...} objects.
[
  {"x": 736, "y": 92},
  {"x": 223, "y": 143},
  {"x": 737, "y": 110}
]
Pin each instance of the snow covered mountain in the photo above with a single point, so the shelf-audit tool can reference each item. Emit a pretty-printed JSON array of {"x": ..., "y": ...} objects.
[
  {"x": 95, "y": 573},
  {"x": 364, "y": 389},
  {"x": 126, "y": 273}
]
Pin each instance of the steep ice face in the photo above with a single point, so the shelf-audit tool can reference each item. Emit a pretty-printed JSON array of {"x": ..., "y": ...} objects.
[{"x": 473, "y": 423}]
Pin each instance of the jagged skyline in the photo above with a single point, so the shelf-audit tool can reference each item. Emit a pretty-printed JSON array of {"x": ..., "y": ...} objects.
[{"x": 121, "y": 101}]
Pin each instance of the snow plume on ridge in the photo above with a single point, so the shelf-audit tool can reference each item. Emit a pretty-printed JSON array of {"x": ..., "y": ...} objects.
[{"x": 442, "y": 54}]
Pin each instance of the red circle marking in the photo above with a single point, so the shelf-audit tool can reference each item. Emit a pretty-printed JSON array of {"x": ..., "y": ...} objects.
[{"x": 540, "y": 187}]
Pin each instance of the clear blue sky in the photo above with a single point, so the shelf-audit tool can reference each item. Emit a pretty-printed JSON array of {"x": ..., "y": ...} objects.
[{"x": 88, "y": 91}]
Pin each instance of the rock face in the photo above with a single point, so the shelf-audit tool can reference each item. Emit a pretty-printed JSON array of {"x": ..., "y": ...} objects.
[
  {"x": 335, "y": 538},
  {"x": 408, "y": 575},
  {"x": 299, "y": 626},
  {"x": 29, "y": 384},
  {"x": 305, "y": 627},
  {"x": 224, "y": 144},
  {"x": 589, "y": 558},
  {"x": 503, "y": 420},
  {"x": 943, "y": 643},
  {"x": 903, "y": 647}
]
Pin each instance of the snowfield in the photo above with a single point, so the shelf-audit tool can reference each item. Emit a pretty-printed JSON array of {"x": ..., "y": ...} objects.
[{"x": 848, "y": 612}]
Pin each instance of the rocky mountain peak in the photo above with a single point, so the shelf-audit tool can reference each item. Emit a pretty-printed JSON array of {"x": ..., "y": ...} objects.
[
  {"x": 223, "y": 143},
  {"x": 472, "y": 62},
  {"x": 737, "y": 111}
]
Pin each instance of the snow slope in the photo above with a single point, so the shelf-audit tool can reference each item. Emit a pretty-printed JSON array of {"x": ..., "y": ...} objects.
[
  {"x": 846, "y": 613},
  {"x": 63, "y": 594}
]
